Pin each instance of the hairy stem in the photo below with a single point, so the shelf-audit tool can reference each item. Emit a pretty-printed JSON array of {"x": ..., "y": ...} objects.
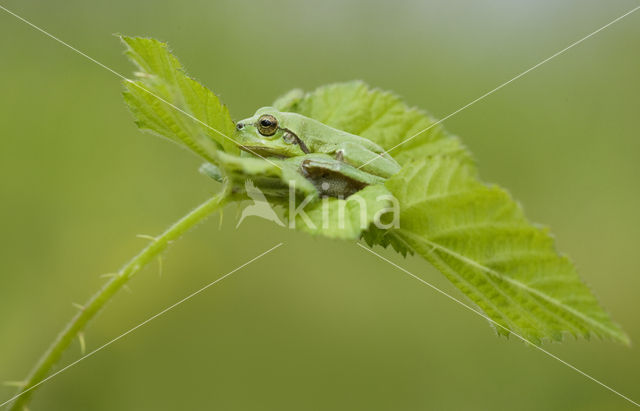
[{"x": 100, "y": 299}]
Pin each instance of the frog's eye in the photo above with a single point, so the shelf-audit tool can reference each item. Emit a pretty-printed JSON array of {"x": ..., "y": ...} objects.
[{"x": 267, "y": 125}]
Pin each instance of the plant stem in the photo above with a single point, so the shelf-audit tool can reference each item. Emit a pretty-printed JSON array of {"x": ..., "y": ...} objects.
[{"x": 100, "y": 299}]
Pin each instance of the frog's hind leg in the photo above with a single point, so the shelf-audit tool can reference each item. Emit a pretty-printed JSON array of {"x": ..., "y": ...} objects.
[
  {"x": 367, "y": 160},
  {"x": 333, "y": 178}
]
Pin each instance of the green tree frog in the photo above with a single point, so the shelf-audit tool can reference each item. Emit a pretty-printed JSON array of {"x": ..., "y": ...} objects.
[
  {"x": 273, "y": 133},
  {"x": 331, "y": 156}
]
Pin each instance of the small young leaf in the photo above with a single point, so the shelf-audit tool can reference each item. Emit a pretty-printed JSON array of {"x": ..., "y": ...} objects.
[
  {"x": 194, "y": 117},
  {"x": 479, "y": 238}
]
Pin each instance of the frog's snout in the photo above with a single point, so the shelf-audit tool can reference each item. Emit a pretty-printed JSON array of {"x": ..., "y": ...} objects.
[{"x": 239, "y": 126}]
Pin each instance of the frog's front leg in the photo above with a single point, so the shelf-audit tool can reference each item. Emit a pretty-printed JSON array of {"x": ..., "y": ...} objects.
[
  {"x": 367, "y": 160},
  {"x": 334, "y": 178}
]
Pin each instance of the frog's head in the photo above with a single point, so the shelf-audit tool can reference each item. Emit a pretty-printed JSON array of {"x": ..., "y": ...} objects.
[{"x": 266, "y": 134}]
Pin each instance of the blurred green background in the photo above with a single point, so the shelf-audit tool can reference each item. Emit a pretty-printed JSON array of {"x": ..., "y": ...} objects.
[{"x": 317, "y": 324}]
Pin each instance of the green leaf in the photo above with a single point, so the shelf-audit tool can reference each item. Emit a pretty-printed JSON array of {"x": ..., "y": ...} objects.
[
  {"x": 385, "y": 238},
  {"x": 479, "y": 238},
  {"x": 475, "y": 234},
  {"x": 165, "y": 101},
  {"x": 380, "y": 116}
]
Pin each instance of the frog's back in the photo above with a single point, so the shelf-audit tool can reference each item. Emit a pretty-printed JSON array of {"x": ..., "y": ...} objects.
[{"x": 317, "y": 133}]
